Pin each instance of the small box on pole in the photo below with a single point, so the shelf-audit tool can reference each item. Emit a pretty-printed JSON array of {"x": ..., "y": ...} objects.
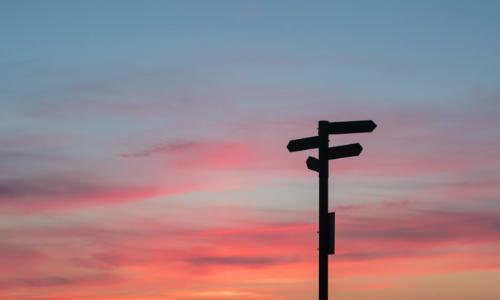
[{"x": 331, "y": 235}]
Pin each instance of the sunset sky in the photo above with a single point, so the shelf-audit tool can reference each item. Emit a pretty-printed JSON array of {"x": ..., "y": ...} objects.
[{"x": 143, "y": 149}]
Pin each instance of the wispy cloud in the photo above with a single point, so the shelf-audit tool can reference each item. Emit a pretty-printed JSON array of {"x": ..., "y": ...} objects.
[
  {"x": 240, "y": 261},
  {"x": 58, "y": 281},
  {"x": 163, "y": 149},
  {"x": 60, "y": 192}
]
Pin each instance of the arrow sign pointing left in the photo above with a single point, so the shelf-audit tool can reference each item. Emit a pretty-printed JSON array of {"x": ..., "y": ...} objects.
[
  {"x": 312, "y": 163},
  {"x": 344, "y": 151},
  {"x": 303, "y": 144}
]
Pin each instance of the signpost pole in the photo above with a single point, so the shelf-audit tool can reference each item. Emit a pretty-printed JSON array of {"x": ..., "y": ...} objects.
[
  {"x": 323, "y": 209},
  {"x": 320, "y": 165}
]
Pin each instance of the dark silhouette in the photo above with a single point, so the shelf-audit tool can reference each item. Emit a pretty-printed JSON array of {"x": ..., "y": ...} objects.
[{"x": 320, "y": 165}]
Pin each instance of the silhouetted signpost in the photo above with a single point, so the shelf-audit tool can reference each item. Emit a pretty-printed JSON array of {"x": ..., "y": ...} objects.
[{"x": 320, "y": 165}]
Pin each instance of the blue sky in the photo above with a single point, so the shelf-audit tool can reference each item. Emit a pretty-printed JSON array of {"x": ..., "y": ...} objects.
[{"x": 386, "y": 47}]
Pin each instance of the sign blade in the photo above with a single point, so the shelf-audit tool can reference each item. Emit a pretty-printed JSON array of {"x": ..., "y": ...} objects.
[
  {"x": 312, "y": 163},
  {"x": 351, "y": 127},
  {"x": 303, "y": 144},
  {"x": 344, "y": 151}
]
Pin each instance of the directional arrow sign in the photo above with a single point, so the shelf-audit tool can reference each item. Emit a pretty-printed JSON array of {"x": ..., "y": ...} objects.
[
  {"x": 351, "y": 127},
  {"x": 312, "y": 163},
  {"x": 344, "y": 151},
  {"x": 303, "y": 144}
]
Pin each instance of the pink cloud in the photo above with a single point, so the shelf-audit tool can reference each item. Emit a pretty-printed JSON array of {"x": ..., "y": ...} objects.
[
  {"x": 14, "y": 257},
  {"x": 47, "y": 193},
  {"x": 386, "y": 239}
]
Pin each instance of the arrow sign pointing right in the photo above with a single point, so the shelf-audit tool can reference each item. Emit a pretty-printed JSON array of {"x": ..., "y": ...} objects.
[
  {"x": 303, "y": 144},
  {"x": 344, "y": 151},
  {"x": 351, "y": 127}
]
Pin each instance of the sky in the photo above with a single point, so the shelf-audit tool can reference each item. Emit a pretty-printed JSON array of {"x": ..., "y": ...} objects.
[{"x": 143, "y": 149}]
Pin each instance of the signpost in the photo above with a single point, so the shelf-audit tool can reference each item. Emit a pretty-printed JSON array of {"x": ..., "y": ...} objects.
[{"x": 320, "y": 165}]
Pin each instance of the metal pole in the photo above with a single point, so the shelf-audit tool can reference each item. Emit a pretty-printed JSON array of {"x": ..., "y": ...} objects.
[{"x": 323, "y": 209}]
